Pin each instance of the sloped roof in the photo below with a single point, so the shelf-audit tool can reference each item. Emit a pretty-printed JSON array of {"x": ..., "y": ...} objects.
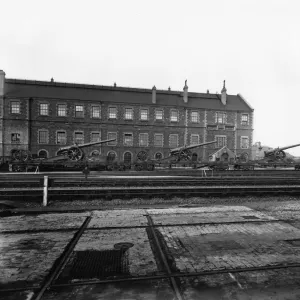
[
  {"x": 57, "y": 90},
  {"x": 223, "y": 150}
]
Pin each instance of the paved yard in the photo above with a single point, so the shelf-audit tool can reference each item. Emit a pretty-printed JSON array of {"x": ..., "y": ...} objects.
[{"x": 193, "y": 241}]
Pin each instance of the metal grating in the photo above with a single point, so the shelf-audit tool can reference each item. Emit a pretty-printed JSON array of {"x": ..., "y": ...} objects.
[
  {"x": 96, "y": 264},
  {"x": 250, "y": 217}
]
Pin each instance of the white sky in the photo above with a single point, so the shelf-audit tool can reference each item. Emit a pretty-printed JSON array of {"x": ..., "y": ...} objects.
[{"x": 253, "y": 45}]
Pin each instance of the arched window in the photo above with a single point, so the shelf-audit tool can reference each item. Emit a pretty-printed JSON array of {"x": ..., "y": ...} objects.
[
  {"x": 111, "y": 156},
  {"x": 43, "y": 154},
  {"x": 194, "y": 156},
  {"x": 158, "y": 155},
  {"x": 127, "y": 157}
]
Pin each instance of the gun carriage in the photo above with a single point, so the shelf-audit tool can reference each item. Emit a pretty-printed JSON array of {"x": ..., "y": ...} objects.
[
  {"x": 69, "y": 157},
  {"x": 278, "y": 153}
]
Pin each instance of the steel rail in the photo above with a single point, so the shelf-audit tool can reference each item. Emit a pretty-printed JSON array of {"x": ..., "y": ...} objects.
[{"x": 162, "y": 255}]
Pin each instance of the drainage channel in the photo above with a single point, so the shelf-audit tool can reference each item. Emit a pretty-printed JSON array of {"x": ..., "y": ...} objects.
[{"x": 164, "y": 259}]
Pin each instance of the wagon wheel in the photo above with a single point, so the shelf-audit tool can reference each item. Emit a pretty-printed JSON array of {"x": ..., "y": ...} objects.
[
  {"x": 142, "y": 155},
  {"x": 21, "y": 155},
  {"x": 185, "y": 155},
  {"x": 74, "y": 153}
]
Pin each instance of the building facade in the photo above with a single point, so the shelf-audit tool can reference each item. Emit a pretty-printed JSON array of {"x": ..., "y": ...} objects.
[{"x": 42, "y": 116}]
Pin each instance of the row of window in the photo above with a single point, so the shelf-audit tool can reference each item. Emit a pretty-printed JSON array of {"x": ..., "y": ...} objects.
[
  {"x": 111, "y": 155},
  {"x": 61, "y": 138},
  {"x": 220, "y": 117},
  {"x": 222, "y": 141}
]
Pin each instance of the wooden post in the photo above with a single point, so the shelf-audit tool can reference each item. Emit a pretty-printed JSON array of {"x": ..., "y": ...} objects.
[{"x": 45, "y": 194}]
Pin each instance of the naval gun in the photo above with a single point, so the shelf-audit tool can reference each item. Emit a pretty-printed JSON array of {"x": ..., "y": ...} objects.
[
  {"x": 73, "y": 153},
  {"x": 278, "y": 153},
  {"x": 184, "y": 152}
]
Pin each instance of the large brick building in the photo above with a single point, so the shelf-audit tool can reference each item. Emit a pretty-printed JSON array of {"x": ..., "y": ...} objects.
[{"x": 42, "y": 116}]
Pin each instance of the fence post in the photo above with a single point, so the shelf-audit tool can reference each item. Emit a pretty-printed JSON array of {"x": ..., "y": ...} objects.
[{"x": 45, "y": 194}]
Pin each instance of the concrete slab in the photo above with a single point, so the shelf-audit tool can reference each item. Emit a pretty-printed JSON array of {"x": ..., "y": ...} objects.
[
  {"x": 118, "y": 218},
  {"x": 227, "y": 246},
  {"x": 211, "y": 217},
  {"x": 25, "y": 259},
  {"x": 43, "y": 222}
]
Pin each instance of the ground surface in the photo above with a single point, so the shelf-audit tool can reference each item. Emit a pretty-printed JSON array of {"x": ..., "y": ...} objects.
[{"x": 249, "y": 250}]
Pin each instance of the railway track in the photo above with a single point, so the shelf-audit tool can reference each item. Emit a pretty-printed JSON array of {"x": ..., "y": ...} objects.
[
  {"x": 144, "y": 182},
  {"x": 71, "y": 193},
  {"x": 74, "y": 186}
]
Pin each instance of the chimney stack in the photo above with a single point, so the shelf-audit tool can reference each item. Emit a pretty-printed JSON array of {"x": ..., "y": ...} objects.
[
  {"x": 223, "y": 94},
  {"x": 154, "y": 94},
  {"x": 2, "y": 81},
  {"x": 185, "y": 93}
]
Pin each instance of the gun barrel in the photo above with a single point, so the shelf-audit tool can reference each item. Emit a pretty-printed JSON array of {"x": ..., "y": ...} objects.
[
  {"x": 94, "y": 143},
  {"x": 191, "y": 146},
  {"x": 282, "y": 148},
  {"x": 86, "y": 145}
]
